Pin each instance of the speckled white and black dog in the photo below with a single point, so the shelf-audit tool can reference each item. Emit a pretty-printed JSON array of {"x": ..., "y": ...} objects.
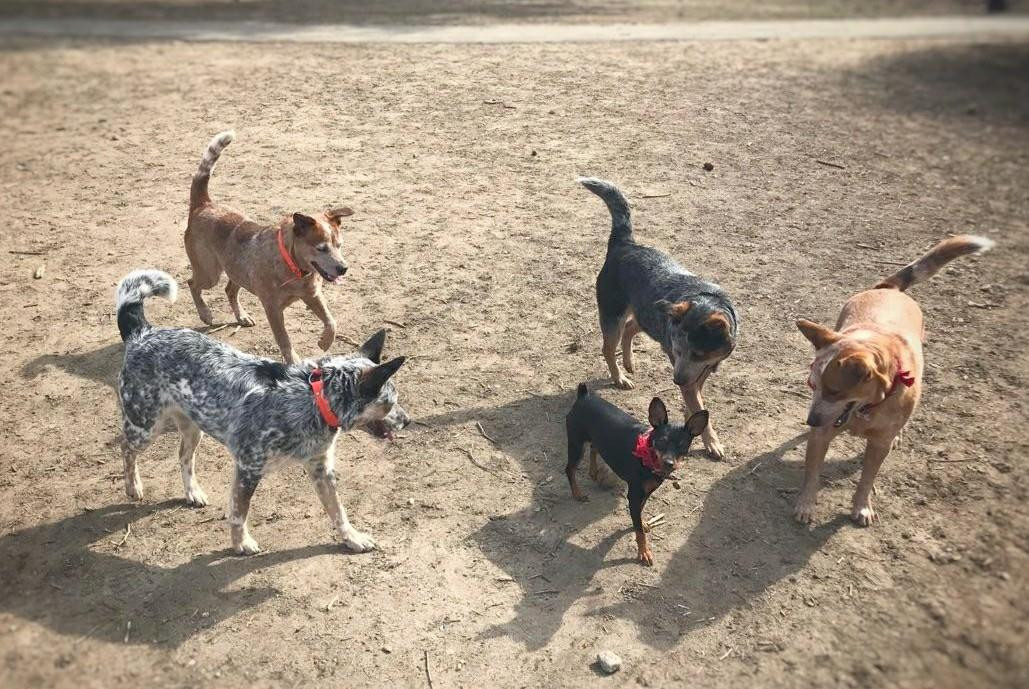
[{"x": 266, "y": 413}]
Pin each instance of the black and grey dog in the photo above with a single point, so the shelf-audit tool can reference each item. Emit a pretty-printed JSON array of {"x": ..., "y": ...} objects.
[
  {"x": 642, "y": 457},
  {"x": 266, "y": 413},
  {"x": 640, "y": 288}
]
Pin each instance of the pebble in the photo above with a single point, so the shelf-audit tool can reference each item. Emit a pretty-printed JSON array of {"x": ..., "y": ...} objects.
[
  {"x": 609, "y": 662},
  {"x": 709, "y": 166}
]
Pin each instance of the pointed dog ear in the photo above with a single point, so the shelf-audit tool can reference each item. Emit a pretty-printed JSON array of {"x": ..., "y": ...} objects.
[
  {"x": 374, "y": 378},
  {"x": 676, "y": 311},
  {"x": 818, "y": 335},
  {"x": 372, "y": 349},
  {"x": 657, "y": 414},
  {"x": 302, "y": 223},
  {"x": 336, "y": 215},
  {"x": 697, "y": 423}
]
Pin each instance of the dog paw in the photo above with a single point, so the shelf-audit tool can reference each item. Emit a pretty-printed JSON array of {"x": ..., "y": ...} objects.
[
  {"x": 205, "y": 315},
  {"x": 804, "y": 512},
  {"x": 715, "y": 449},
  {"x": 645, "y": 557},
  {"x": 196, "y": 497},
  {"x": 326, "y": 340},
  {"x": 624, "y": 383},
  {"x": 357, "y": 542},
  {"x": 864, "y": 516},
  {"x": 581, "y": 497},
  {"x": 134, "y": 488},
  {"x": 245, "y": 320},
  {"x": 248, "y": 546}
]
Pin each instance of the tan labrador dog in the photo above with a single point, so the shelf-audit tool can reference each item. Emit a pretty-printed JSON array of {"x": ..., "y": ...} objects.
[
  {"x": 867, "y": 373},
  {"x": 279, "y": 264}
]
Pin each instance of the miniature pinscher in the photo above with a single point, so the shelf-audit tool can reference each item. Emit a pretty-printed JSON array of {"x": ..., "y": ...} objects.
[{"x": 642, "y": 457}]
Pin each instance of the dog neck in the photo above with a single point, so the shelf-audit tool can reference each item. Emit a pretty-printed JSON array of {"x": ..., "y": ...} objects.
[{"x": 286, "y": 252}]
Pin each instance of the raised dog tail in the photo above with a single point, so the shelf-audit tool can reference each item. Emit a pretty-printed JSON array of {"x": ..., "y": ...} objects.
[
  {"x": 582, "y": 390},
  {"x": 132, "y": 290},
  {"x": 198, "y": 195},
  {"x": 621, "y": 220},
  {"x": 940, "y": 255}
]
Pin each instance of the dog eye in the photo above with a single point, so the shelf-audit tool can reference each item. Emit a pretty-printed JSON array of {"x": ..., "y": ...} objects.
[{"x": 323, "y": 248}]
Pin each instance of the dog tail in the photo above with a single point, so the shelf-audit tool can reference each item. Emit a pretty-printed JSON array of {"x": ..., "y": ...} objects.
[
  {"x": 621, "y": 220},
  {"x": 582, "y": 390},
  {"x": 132, "y": 290},
  {"x": 198, "y": 195},
  {"x": 940, "y": 255}
]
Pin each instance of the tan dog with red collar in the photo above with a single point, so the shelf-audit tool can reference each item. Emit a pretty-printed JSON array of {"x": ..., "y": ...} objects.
[
  {"x": 279, "y": 264},
  {"x": 867, "y": 374}
]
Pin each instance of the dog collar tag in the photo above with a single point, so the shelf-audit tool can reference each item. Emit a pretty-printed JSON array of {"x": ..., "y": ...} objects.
[
  {"x": 645, "y": 452},
  {"x": 287, "y": 258},
  {"x": 318, "y": 390}
]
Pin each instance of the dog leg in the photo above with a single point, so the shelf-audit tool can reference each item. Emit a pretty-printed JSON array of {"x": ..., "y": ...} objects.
[
  {"x": 594, "y": 469},
  {"x": 319, "y": 309},
  {"x": 694, "y": 403},
  {"x": 324, "y": 479},
  {"x": 612, "y": 331},
  {"x": 637, "y": 499},
  {"x": 630, "y": 331},
  {"x": 575, "y": 449},
  {"x": 133, "y": 484},
  {"x": 277, "y": 321},
  {"x": 817, "y": 445},
  {"x": 203, "y": 310},
  {"x": 875, "y": 453},
  {"x": 191, "y": 435},
  {"x": 244, "y": 483},
  {"x": 242, "y": 317}
]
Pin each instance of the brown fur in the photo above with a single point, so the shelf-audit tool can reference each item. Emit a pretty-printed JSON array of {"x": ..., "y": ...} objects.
[
  {"x": 879, "y": 333},
  {"x": 219, "y": 239}
]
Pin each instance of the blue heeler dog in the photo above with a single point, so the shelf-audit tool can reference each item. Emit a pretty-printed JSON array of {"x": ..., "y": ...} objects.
[
  {"x": 266, "y": 413},
  {"x": 642, "y": 289}
]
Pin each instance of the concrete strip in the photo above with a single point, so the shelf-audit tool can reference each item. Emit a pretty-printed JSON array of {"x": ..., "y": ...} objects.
[{"x": 1016, "y": 26}]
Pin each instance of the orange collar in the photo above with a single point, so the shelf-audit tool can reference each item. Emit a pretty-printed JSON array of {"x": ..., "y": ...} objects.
[
  {"x": 318, "y": 389},
  {"x": 288, "y": 258}
]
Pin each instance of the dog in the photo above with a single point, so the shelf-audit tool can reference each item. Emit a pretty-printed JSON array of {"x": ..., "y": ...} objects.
[
  {"x": 867, "y": 374},
  {"x": 267, "y": 414},
  {"x": 642, "y": 289},
  {"x": 642, "y": 457},
  {"x": 278, "y": 264}
]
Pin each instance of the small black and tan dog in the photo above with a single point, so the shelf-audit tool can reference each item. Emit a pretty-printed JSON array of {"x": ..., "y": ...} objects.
[
  {"x": 642, "y": 289},
  {"x": 642, "y": 457}
]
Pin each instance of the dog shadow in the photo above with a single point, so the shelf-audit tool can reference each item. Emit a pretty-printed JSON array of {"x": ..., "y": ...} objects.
[{"x": 68, "y": 576}]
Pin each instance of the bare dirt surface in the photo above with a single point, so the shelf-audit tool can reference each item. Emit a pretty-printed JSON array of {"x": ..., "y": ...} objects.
[
  {"x": 471, "y": 233},
  {"x": 489, "y": 11}
]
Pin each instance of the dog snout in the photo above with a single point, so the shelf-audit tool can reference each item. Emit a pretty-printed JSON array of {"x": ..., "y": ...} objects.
[
  {"x": 814, "y": 419},
  {"x": 342, "y": 269},
  {"x": 669, "y": 466}
]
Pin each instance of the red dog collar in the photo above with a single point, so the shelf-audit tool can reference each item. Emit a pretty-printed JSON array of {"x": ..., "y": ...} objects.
[
  {"x": 288, "y": 258},
  {"x": 646, "y": 453},
  {"x": 318, "y": 389}
]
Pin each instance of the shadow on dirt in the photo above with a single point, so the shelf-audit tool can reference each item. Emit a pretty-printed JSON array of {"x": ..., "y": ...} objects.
[
  {"x": 101, "y": 365},
  {"x": 975, "y": 84},
  {"x": 735, "y": 553},
  {"x": 68, "y": 576}
]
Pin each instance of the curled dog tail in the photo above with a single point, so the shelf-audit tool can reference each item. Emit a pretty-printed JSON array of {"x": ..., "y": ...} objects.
[
  {"x": 621, "y": 221},
  {"x": 940, "y": 255},
  {"x": 582, "y": 390},
  {"x": 198, "y": 195},
  {"x": 132, "y": 290}
]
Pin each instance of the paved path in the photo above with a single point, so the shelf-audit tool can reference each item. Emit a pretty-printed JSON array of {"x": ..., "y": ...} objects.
[{"x": 912, "y": 27}]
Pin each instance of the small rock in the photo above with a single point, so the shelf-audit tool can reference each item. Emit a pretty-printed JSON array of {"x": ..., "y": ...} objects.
[
  {"x": 708, "y": 167},
  {"x": 676, "y": 485},
  {"x": 39, "y": 271},
  {"x": 533, "y": 154},
  {"x": 410, "y": 501},
  {"x": 609, "y": 662},
  {"x": 387, "y": 649}
]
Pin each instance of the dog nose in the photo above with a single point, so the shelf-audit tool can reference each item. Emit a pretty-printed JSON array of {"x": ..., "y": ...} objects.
[
  {"x": 669, "y": 464},
  {"x": 342, "y": 270},
  {"x": 813, "y": 419}
]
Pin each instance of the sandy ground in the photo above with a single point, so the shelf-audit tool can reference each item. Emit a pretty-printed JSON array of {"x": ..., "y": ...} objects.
[{"x": 471, "y": 233}]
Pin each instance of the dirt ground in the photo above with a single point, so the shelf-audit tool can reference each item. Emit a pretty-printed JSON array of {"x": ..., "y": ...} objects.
[{"x": 471, "y": 232}]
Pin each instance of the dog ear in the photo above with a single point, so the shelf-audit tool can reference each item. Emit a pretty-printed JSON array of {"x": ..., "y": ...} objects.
[
  {"x": 372, "y": 349},
  {"x": 657, "y": 414},
  {"x": 676, "y": 311},
  {"x": 818, "y": 335},
  {"x": 336, "y": 215},
  {"x": 697, "y": 422},
  {"x": 374, "y": 378},
  {"x": 302, "y": 223}
]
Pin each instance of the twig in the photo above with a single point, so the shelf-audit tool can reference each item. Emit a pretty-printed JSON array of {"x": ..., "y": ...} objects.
[
  {"x": 725, "y": 655},
  {"x": 396, "y": 323},
  {"x": 867, "y": 246},
  {"x": 756, "y": 467},
  {"x": 950, "y": 461},
  {"x": 128, "y": 628},
  {"x": 474, "y": 461},
  {"x": 656, "y": 196},
  {"x": 428, "y": 675},
  {"x": 28, "y": 253},
  {"x": 828, "y": 164},
  {"x": 128, "y": 531},
  {"x": 220, "y": 327},
  {"x": 889, "y": 263},
  {"x": 349, "y": 341},
  {"x": 484, "y": 433},
  {"x": 499, "y": 102},
  {"x": 545, "y": 592},
  {"x": 235, "y": 330}
]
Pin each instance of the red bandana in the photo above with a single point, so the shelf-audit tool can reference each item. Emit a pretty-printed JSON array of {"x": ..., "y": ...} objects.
[
  {"x": 290, "y": 263},
  {"x": 315, "y": 379},
  {"x": 646, "y": 453}
]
